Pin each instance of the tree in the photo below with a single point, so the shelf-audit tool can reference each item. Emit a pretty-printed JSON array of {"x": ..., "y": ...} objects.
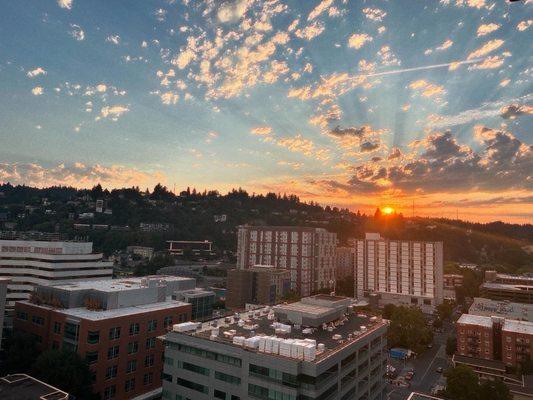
[
  {"x": 65, "y": 370},
  {"x": 462, "y": 384},
  {"x": 445, "y": 309},
  {"x": 494, "y": 390},
  {"x": 388, "y": 310},
  {"x": 408, "y": 329},
  {"x": 437, "y": 323},
  {"x": 451, "y": 345},
  {"x": 21, "y": 352}
]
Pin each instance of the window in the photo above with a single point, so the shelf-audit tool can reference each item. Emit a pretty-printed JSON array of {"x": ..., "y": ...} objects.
[
  {"x": 149, "y": 360},
  {"x": 133, "y": 347},
  {"x": 57, "y": 327},
  {"x": 112, "y": 352},
  {"x": 37, "y": 320},
  {"x": 71, "y": 331},
  {"x": 220, "y": 395},
  {"x": 129, "y": 385},
  {"x": 150, "y": 343},
  {"x": 110, "y": 392},
  {"x": 148, "y": 378},
  {"x": 195, "y": 368},
  {"x": 261, "y": 392},
  {"x": 167, "y": 321},
  {"x": 91, "y": 357},
  {"x": 227, "y": 378},
  {"x": 427, "y": 302},
  {"x": 209, "y": 355},
  {"x": 131, "y": 366},
  {"x": 111, "y": 372},
  {"x": 22, "y": 315},
  {"x": 192, "y": 385},
  {"x": 114, "y": 333},
  {"x": 55, "y": 345},
  {"x": 152, "y": 325},
  {"x": 168, "y": 361},
  {"x": 93, "y": 337},
  {"x": 167, "y": 377},
  {"x": 134, "y": 329}
]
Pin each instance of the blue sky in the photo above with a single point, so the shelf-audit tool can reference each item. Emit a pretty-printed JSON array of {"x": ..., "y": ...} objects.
[{"x": 350, "y": 103}]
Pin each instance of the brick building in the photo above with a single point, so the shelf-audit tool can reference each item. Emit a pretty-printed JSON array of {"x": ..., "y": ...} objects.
[{"x": 113, "y": 325}]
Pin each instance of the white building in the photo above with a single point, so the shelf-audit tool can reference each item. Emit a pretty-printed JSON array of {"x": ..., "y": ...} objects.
[
  {"x": 309, "y": 253},
  {"x": 29, "y": 259},
  {"x": 399, "y": 272}
]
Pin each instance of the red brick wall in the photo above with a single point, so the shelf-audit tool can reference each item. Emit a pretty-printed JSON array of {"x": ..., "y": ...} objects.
[
  {"x": 516, "y": 347},
  {"x": 475, "y": 337}
]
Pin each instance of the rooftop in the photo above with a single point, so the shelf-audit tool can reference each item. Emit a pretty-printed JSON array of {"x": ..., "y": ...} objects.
[
  {"x": 479, "y": 320},
  {"x": 507, "y": 286},
  {"x": 510, "y": 276},
  {"x": 507, "y": 309},
  {"x": 117, "y": 285},
  {"x": 25, "y": 387},
  {"x": 511, "y": 325},
  {"x": 39, "y": 236}
]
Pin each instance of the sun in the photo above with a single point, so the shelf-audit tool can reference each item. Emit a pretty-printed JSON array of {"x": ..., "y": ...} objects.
[{"x": 387, "y": 210}]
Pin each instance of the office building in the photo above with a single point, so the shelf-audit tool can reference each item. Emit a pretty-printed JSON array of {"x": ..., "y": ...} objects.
[
  {"x": 345, "y": 262},
  {"x": 450, "y": 282},
  {"x": 399, "y": 272},
  {"x": 201, "y": 301},
  {"x": 25, "y": 387},
  {"x": 112, "y": 324},
  {"x": 260, "y": 284},
  {"x": 516, "y": 288},
  {"x": 319, "y": 348},
  {"x": 196, "y": 248},
  {"x": 308, "y": 253},
  {"x": 506, "y": 309},
  {"x": 3, "y": 293},
  {"x": 31, "y": 258}
]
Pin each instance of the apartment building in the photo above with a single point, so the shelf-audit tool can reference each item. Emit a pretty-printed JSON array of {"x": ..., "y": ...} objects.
[
  {"x": 195, "y": 247},
  {"x": 308, "y": 253},
  {"x": 318, "y": 348},
  {"x": 345, "y": 265},
  {"x": 505, "y": 308},
  {"x": 112, "y": 324},
  {"x": 450, "y": 282},
  {"x": 399, "y": 272},
  {"x": 31, "y": 258},
  {"x": 516, "y": 288},
  {"x": 260, "y": 284}
]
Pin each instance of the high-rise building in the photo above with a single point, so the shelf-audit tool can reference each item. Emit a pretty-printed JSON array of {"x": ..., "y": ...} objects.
[
  {"x": 260, "y": 284},
  {"x": 3, "y": 293},
  {"x": 345, "y": 262},
  {"x": 318, "y": 348},
  {"x": 308, "y": 253},
  {"x": 112, "y": 324},
  {"x": 399, "y": 272},
  {"x": 29, "y": 259}
]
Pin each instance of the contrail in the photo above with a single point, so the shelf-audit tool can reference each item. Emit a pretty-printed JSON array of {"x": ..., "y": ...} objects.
[{"x": 400, "y": 71}]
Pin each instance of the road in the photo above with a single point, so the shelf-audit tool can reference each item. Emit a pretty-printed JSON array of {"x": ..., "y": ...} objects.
[{"x": 425, "y": 366}]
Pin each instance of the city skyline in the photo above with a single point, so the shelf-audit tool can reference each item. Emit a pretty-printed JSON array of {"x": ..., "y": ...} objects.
[{"x": 351, "y": 104}]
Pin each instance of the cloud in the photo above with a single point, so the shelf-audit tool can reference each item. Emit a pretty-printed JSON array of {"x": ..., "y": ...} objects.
[
  {"x": 298, "y": 144},
  {"x": 358, "y": 40},
  {"x": 115, "y": 39},
  {"x": 77, "y": 175},
  {"x": 488, "y": 63},
  {"x": 310, "y": 31},
  {"x": 184, "y": 58},
  {"x": 169, "y": 98},
  {"x": 319, "y": 9},
  {"x": 487, "y": 48},
  {"x": 101, "y": 88},
  {"x": 76, "y": 32},
  {"x": 485, "y": 29},
  {"x": 36, "y": 72},
  {"x": 293, "y": 165},
  {"x": 37, "y": 91},
  {"x": 427, "y": 89},
  {"x": 232, "y": 11},
  {"x": 374, "y": 14},
  {"x": 523, "y": 25},
  {"x": 261, "y": 130},
  {"x": 512, "y": 111},
  {"x": 367, "y": 138},
  {"x": 65, "y": 4},
  {"x": 113, "y": 112}
]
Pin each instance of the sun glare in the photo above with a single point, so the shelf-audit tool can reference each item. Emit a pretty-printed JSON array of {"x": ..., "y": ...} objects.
[{"x": 387, "y": 210}]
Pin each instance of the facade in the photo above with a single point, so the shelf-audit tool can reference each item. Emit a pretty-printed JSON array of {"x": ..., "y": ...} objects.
[
  {"x": 196, "y": 247},
  {"x": 516, "y": 288},
  {"x": 399, "y": 272},
  {"x": 3, "y": 293},
  {"x": 450, "y": 282},
  {"x": 141, "y": 251},
  {"x": 22, "y": 386},
  {"x": 112, "y": 324},
  {"x": 234, "y": 362},
  {"x": 261, "y": 284},
  {"x": 345, "y": 262},
  {"x": 30, "y": 259},
  {"x": 201, "y": 301},
  {"x": 308, "y": 253},
  {"x": 506, "y": 309},
  {"x": 155, "y": 227}
]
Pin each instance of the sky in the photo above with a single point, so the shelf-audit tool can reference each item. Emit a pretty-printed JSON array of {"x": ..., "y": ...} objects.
[{"x": 417, "y": 105}]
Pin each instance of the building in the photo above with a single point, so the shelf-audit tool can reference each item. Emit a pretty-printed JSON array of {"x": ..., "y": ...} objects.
[
  {"x": 345, "y": 264},
  {"x": 261, "y": 284},
  {"x": 506, "y": 309},
  {"x": 308, "y": 253},
  {"x": 31, "y": 258},
  {"x": 155, "y": 227},
  {"x": 112, "y": 324},
  {"x": 22, "y": 386},
  {"x": 450, "y": 282},
  {"x": 516, "y": 288},
  {"x": 399, "y": 272},
  {"x": 197, "y": 248},
  {"x": 254, "y": 356},
  {"x": 422, "y": 396},
  {"x": 201, "y": 301},
  {"x": 3, "y": 293},
  {"x": 141, "y": 251}
]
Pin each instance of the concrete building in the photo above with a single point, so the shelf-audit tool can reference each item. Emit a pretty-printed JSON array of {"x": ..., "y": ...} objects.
[
  {"x": 195, "y": 247},
  {"x": 25, "y": 387},
  {"x": 506, "y": 309},
  {"x": 260, "y": 284},
  {"x": 450, "y": 282},
  {"x": 201, "y": 301},
  {"x": 399, "y": 272},
  {"x": 308, "y": 253},
  {"x": 516, "y": 288},
  {"x": 3, "y": 293},
  {"x": 31, "y": 258},
  {"x": 255, "y": 356},
  {"x": 113, "y": 325},
  {"x": 345, "y": 264},
  {"x": 141, "y": 251}
]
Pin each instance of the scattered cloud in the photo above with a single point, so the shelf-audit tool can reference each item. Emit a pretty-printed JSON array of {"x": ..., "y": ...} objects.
[
  {"x": 487, "y": 48},
  {"x": 65, "y": 4},
  {"x": 523, "y": 25},
  {"x": 169, "y": 98},
  {"x": 36, "y": 72},
  {"x": 310, "y": 31},
  {"x": 358, "y": 40},
  {"x": 485, "y": 29},
  {"x": 76, "y": 32},
  {"x": 427, "y": 89},
  {"x": 232, "y": 11},
  {"x": 113, "y": 112},
  {"x": 512, "y": 111},
  {"x": 319, "y": 9},
  {"x": 37, "y": 91},
  {"x": 261, "y": 130},
  {"x": 374, "y": 14},
  {"x": 115, "y": 39}
]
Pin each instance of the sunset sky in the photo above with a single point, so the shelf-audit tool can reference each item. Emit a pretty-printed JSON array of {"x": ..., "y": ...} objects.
[{"x": 348, "y": 103}]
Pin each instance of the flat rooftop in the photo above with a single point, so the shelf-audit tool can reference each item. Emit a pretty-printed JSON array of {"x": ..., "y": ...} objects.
[
  {"x": 25, "y": 387},
  {"x": 524, "y": 327},
  {"x": 508, "y": 286},
  {"x": 117, "y": 285},
  {"x": 353, "y": 327},
  {"x": 507, "y": 309},
  {"x": 479, "y": 320}
]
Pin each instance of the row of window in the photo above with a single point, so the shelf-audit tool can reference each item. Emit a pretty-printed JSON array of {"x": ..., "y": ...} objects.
[
  {"x": 110, "y": 392},
  {"x": 206, "y": 354},
  {"x": 114, "y": 351}
]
